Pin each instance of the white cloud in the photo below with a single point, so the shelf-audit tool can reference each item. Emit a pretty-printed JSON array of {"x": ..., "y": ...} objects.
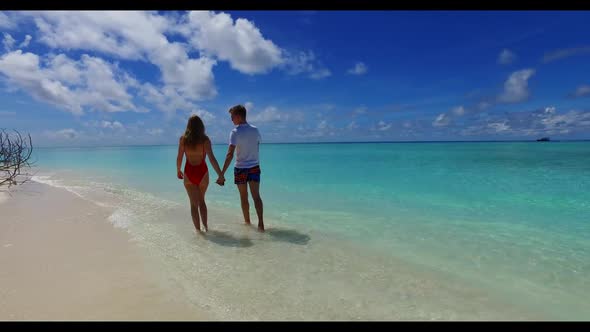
[
  {"x": 204, "y": 115},
  {"x": 155, "y": 131},
  {"x": 5, "y": 113},
  {"x": 269, "y": 114},
  {"x": 141, "y": 36},
  {"x": 305, "y": 62},
  {"x": 323, "y": 124},
  {"x": 441, "y": 120},
  {"x": 582, "y": 91},
  {"x": 115, "y": 125},
  {"x": 63, "y": 134},
  {"x": 382, "y": 126},
  {"x": 25, "y": 42},
  {"x": 272, "y": 114},
  {"x": 516, "y": 87},
  {"x": 24, "y": 71},
  {"x": 553, "y": 121},
  {"x": 240, "y": 43},
  {"x": 565, "y": 53},
  {"x": 546, "y": 121},
  {"x": 498, "y": 126},
  {"x": 459, "y": 110},
  {"x": 130, "y": 35},
  {"x": 166, "y": 99},
  {"x": 506, "y": 57},
  {"x": 358, "y": 69},
  {"x": 90, "y": 83},
  {"x": 5, "y": 21},
  {"x": 124, "y": 34},
  {"x": 249, "y": 106},
  {"x": 360, "y": 110},
  {"x": 8, "y": 42},
  {"x": 322, "y": 73},
  {"x": 352, "y": 125}
]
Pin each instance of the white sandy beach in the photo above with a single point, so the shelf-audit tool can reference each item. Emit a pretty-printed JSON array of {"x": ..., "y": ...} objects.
[{"x": 62, "y": 260}]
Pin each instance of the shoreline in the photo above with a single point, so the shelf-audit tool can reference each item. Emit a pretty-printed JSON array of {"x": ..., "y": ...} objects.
[
  {"x": 63, "y": 260},
  {"x": 414, "y": 291}
]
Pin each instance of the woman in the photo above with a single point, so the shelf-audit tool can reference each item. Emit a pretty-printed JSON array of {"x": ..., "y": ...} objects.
[{"x": 196, "y": 145}]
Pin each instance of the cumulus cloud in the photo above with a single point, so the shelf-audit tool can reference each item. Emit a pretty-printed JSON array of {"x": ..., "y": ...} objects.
[
  {"x": 358, "y": 69},
  {"x": 69, "y": 134},
  {"x": 145, "y": 36},
  {"x": 8, "y": 42},
  {"x": 441, "y": 120},
  {"x": 239, "y": 42},
  {"x": 506, "y": 57},
  {"x": 272, "y": 114},
  {"x": 5, "y": 21},
  {"x": 73, "y": 85},
  {"x": 204, "y": 115},
  {"x": 516, "y": 87},
  {"x": 305, "y": 62},
  {"x": 25, "y": 42},
  {"x": 130, "y": 35},
  {"x": 116, "y": 125},
  {"x": 546, "y": 121}
]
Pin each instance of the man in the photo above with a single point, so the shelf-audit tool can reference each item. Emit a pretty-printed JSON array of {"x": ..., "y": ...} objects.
[{"x": 244, "y": 139}]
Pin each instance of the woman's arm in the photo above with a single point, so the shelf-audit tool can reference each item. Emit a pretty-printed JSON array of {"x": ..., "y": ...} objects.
[
  {"x": 212, "y": 159},
  {"x": 179, "y": 158}
]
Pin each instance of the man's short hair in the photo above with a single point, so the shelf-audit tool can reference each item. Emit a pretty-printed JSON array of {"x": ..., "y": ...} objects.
[{"x": 238, "y": 110}]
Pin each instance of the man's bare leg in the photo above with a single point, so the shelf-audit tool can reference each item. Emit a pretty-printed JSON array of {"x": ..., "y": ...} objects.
[
  {"x": 243, "y": 189},
  {"x": 255, "y": 191}
]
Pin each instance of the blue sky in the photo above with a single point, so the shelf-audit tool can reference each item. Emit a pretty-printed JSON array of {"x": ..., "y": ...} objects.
[{"x": 126, "y": 78}]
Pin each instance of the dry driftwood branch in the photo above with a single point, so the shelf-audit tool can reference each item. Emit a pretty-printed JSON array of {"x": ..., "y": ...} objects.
[{"x": 15, "y": 158}]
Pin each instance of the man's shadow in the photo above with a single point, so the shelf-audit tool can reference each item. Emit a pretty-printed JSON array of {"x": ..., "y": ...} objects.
[
  {"x": 288, "y": 235},
  {"x": 227, "y": 239}
]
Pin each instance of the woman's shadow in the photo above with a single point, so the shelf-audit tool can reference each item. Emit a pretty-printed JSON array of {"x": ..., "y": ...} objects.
[
  {"x": 227, "y": 239},
  {"x": 288, "y": 235}
]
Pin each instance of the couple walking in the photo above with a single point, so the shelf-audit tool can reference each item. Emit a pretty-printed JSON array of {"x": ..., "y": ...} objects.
[{"x": 244, "y": 140}]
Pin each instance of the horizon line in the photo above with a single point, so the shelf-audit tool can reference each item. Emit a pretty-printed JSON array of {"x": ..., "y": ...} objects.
[{"x": 335, "y": 142}]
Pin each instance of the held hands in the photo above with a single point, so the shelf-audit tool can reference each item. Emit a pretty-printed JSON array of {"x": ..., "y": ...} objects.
[{"x": 220, "y": 181}]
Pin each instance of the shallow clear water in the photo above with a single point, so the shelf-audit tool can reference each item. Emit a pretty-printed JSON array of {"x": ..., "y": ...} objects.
[{"x": 363, "y": 230}]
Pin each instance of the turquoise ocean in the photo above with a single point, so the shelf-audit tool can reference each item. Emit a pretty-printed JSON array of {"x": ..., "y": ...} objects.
[{"x": 367, "y": 231}]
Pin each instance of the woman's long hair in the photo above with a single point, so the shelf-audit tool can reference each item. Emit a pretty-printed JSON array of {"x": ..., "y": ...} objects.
[{"x": 195, "y": 131}]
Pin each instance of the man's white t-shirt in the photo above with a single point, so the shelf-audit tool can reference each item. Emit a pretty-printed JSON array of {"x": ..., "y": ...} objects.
[{"x": 246, "y": 138}]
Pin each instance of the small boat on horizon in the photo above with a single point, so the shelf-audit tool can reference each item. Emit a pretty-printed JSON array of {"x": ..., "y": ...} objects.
[{"x": 543, "y": 139}]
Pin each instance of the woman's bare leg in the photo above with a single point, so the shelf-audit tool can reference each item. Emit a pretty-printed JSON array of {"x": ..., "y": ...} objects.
[{"x": 201, "y": 198}]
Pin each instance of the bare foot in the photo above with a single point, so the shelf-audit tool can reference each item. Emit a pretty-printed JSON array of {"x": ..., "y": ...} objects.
[
  {"x": 206, "y": 229},
  {"x": 248, "y": 223},
  {"x": 261, "y": 229}
]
